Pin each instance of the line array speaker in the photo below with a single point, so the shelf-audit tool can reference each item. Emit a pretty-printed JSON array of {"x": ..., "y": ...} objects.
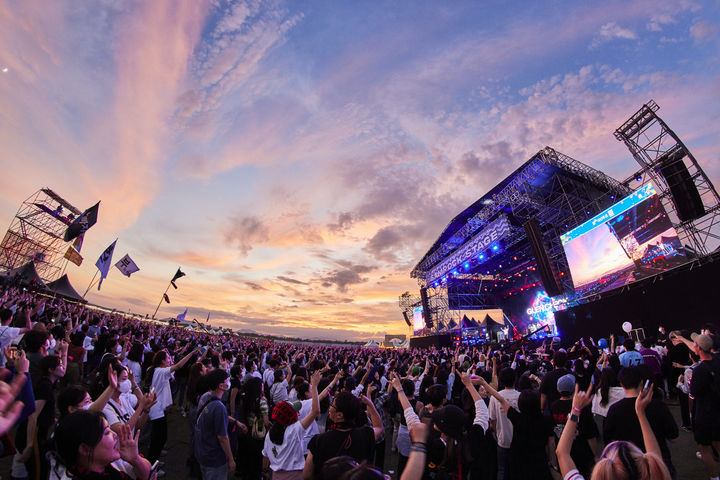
[
  {"x": 544, "y": 265},
  {"x": 426, "y": 308}
]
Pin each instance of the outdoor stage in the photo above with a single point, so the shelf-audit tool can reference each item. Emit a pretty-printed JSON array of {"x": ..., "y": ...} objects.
[{"x": 562, "y": 247}]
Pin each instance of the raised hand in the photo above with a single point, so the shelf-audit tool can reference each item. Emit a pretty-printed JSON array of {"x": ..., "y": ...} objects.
[
  {"x": 315, "y": 378},
  {"x": 582, "y": 398},
  {"x": 128, "y": 443},
  {"x": 10, "y": 409},
  {"x": 112, "y": 377},
  {"x": 643, "y": 399},
  {"x": 419, "y": 432},
  {"x": 395, "y": 382}
]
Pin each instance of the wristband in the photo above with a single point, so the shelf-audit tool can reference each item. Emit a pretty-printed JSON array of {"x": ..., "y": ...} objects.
[
  {"x": 418, "y": 447},
  {"x": 575, "y": 409}
]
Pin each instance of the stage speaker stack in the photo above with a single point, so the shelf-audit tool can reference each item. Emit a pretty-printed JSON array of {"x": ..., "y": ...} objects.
[
  {"x": 685, "y": 195},
  {"x": 407, "y": 320},
  {"x": 426, "y": 308},
  {"x": 544, "y": 265}
]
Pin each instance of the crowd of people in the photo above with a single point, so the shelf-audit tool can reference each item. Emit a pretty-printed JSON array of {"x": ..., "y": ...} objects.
[{"x": 85, "y": 391}]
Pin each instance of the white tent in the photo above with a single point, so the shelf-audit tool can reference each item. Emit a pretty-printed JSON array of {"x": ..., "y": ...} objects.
[{"x": 371, "y": 344}]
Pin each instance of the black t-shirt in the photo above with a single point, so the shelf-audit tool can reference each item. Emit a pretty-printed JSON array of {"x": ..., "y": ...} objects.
[
  {"x": 580, "y": 452},
  {"x": 549, "y": 385},
  {"x": 622, "y": 423},
  {"x": 358, "y": 443},
  {"x": 707, "y": 405},
  {"x": 527, "y": 450}
]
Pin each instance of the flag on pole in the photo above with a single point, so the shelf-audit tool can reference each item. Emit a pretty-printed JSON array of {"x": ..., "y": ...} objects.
[
  {"x": 178, "y": 274},
  {"x": 208, "y": 318},
  {"x": 181, "y": 317},
  {"x": 166, "y": 298},
  {"x": 78, "y": 242},
  {"x": 82, "y": 223},
  {"x": 127, "y": 266},
  {"x": 73, "y": 255},
  {"x": 104, "y": 262}
]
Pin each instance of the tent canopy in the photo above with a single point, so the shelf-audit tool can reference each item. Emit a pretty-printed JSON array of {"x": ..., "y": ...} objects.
[
  {"x": 63, "y": 288},
  {"x": 26, "y": 275}
]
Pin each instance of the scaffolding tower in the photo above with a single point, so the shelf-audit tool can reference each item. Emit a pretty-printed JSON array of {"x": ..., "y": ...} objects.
[
  {"x": 688, "y": 195},
  {"x": 36, "y": 234}
]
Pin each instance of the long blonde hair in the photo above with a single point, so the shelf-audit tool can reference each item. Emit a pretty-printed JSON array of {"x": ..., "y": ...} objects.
[{"x": 625, "y": 461}]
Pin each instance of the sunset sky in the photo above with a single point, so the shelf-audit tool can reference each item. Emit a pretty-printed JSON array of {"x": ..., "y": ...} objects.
[{"x": 297, "y": 159}]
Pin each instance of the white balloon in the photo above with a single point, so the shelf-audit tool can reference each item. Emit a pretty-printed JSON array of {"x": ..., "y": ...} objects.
[{"x": 627, "y": 326}]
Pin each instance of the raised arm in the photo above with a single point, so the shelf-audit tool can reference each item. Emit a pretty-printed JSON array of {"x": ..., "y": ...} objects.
[
  {"x": 315, "y": 410},
  {"x": 581, "y": 400},
  {"x": 641, "y": 403},
  {"x": 377, "y": 424},
  {"x": 184, "y": 360},
  {"x": 482, "y": 416}
]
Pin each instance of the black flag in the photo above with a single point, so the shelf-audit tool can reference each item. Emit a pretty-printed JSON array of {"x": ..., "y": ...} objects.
[
  {"x": 82, "y": 223},
  {"x": 178, "y": 274},
  {"x": 173, "y": 284},
  {"x": 166, "y": 298}
]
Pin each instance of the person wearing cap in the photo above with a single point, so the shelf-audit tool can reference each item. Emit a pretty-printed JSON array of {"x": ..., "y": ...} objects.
[
  {"x": 284, "y": 451},
  {"x": 705, "y": 390},
  {"x": 585, "y": 447}
]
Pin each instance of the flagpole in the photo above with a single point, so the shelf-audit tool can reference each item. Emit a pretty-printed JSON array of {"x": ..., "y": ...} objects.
[
  {"x": 91, "y": 283},
  {"x": 161, "y": 300}
]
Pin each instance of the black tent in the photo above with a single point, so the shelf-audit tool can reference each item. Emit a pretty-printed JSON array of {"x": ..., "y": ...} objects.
[
  {"x": 26, "y": 276},
  {"x": 63, "y": 288}
]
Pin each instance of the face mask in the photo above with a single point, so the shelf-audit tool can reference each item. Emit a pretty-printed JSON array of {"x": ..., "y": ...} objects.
[
  {"x": 227, "y": 384},
  {"x": 118, "y": 349},
  {"x": 86, "y": 406},
  {"x": 52, "y": 344},
  {"x": 124, "y": 386}
]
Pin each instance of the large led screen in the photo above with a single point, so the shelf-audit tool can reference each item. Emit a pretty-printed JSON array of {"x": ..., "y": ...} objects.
[
  {"x": 418, "y": 320},
  {"x": 631, "y": 240}
]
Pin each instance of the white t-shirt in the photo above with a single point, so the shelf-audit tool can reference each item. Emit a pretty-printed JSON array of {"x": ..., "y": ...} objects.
[
  {"x": 7, "y": 335},
  {"x": 136, "y": 370},
  {"x": 615, "y": 394},
  {"x": 313, "y": 429},
  {"x": 279, "y": 392},
  {"x": 161, "y": 384},
  {"x": 290, "y": 456},
  {"x": 121, "y": 412},
  {"x": 503, "y": 426}
]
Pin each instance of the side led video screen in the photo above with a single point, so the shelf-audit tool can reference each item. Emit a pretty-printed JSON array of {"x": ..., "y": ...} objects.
[
  {"x": 631, "y": 240},
  {"x": 418, "y": 320}
]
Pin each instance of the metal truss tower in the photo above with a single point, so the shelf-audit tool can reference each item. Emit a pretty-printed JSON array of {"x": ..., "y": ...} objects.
[
  {"x": 680, "y": 182},
  {"x": 36, "y": 234}
]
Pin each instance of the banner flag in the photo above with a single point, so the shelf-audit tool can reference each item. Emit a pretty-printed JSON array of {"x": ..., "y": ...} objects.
[
  {"x": 166, "y": 298},
  {"x": 78, "y": 242},
  {"x": 208, "y": 318},
  {"x": 178, "y": 274},
  {"x": 82, "y": 223},
  {"x": 74, "y": 256},
  {"x": 181, "y": 317},
  {"x": 127, "y": 266},
  {"x": 104, "y": 262}
]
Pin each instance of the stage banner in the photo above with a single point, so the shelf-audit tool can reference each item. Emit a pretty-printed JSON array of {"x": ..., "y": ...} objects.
[
  {"x": 127, "y": 266},
  {"x": 82, "y": 223},
  {"x": 73, "y": 256},
  {"x": 493, "y": 231}
]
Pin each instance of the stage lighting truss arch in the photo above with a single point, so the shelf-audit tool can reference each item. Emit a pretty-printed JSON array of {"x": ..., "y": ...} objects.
[{"x": 654, "y": 144}]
